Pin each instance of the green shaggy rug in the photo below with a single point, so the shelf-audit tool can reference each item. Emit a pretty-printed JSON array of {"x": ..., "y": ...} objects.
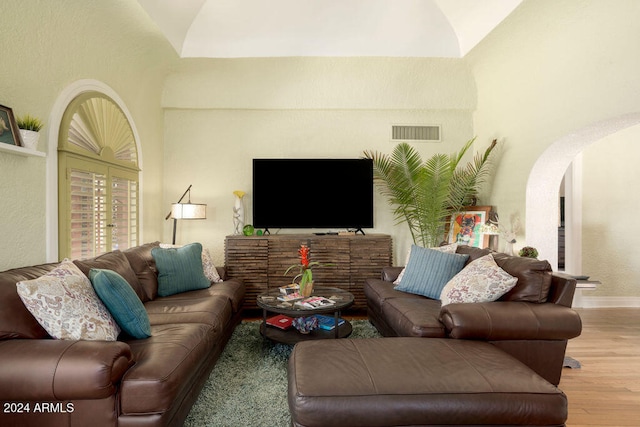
[{"x": 248, "y": 385}]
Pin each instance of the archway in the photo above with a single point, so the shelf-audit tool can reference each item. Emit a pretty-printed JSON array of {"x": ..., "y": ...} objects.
[
  {"x": 542, "y": 209},
  {"x": 55, "y": 119}
]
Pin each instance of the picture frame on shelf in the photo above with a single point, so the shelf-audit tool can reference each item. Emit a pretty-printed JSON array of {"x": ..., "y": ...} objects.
[
  {"x": 464, "y": 226},
  {"x": 9, "y": 133}
]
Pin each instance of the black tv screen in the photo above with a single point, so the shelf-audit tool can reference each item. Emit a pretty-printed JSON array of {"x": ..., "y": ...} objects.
[{"x": 327, "y": 194}]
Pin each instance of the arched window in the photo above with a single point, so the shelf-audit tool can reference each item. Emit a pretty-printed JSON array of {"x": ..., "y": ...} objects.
[{"x": 97, "y": 179}]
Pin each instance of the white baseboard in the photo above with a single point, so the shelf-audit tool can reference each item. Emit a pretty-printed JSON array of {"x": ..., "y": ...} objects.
[{"x": 605, "y": 302}]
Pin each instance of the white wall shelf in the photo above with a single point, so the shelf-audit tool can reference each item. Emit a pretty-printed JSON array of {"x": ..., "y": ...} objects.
[{"x": 21, "y": 151}]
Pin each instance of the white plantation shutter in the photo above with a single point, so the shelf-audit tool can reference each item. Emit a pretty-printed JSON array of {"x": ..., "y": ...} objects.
[
  {"x": 98, "y": 179},
  {"x": 124, "y": 209},
  {"x": 88, "y": 214},
  {"x": 98, "y": 123}
]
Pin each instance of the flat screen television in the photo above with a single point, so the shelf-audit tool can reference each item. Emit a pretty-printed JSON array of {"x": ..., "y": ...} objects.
[{"x": 325, "y": 194}]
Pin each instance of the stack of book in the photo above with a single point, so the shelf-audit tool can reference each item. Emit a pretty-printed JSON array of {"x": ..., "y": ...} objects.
[
  {"x": 328, "y": 323},
  {"x": 290, "y": 297},
  {"x": 290, "y": 289},
  {"x": 280, "y": 321},
  {"x": 290, "y": 293}
]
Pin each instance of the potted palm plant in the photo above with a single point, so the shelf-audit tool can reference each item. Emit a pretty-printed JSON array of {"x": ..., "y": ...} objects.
[
  {"x": 29, "y": 130},
  {"x": 424, "y": 194}
]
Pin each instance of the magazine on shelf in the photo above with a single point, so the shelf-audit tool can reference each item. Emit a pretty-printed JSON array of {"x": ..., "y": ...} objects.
[
  {"x": 280, "y": 321},
  {"x": 315, "y": 302},
  {"x": 290, "y": 297},
  {"x": 328, "y": 323}
]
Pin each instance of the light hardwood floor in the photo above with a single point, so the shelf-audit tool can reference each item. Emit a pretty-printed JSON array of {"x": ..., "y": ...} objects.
[{"x": 605, "y": 391}]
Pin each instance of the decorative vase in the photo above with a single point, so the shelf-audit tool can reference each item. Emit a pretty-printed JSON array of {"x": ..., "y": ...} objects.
[
  {"x": 304, "y": 325},
  {"x": 248, "y": 230},
  {"x": 307, "y": 289},
  {"x": 238, "y": 213},
  {"x": 29, "y": 138}
]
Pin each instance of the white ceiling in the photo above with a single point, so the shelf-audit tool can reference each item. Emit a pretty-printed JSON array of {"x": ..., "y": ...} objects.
[{"x": 272, "y": 28}]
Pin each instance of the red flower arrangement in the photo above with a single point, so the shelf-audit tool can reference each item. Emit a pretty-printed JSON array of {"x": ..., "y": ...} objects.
[
  {"x": 305, "y": 268},
  {"x": 304, "y": 255}
]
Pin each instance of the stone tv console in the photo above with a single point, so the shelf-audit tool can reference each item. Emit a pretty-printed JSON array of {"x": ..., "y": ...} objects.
[{"x": 260, "y": 261}]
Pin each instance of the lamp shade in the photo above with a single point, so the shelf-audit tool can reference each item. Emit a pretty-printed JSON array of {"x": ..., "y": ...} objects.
[{"x": 188, "y": 211}]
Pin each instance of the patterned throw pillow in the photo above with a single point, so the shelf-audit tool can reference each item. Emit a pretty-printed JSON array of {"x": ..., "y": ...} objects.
[
  {"x": 449, "y": 249},
  {"x": 480, "y": 281},
  {"x": 207, "y": 263},
  {"x": 65, "y": 304},
  {"x": 429, "y": 270},
  {"x": 121, "y": 301},
  {"x": 179, "y": 269},
  {"x": 210, "y": 269}
]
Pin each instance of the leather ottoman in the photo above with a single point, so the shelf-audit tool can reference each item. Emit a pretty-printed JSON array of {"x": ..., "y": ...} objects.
[{"x": 416, "y": 382}]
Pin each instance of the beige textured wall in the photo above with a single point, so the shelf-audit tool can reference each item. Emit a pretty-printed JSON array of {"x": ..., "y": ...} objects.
[
  {"x": 609, "y": 230},
  {"x": 46, "y": 46},
  {"x": 552, "y": 68},
  {"x": 230, "y": 111}
]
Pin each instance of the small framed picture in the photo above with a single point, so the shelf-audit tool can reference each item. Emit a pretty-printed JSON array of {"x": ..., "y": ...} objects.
[
  {"x": 464, "y": 227},
  {"x": 9, "y": 133}
]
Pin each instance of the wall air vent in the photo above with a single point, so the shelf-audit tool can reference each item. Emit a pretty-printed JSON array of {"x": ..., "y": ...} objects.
[{"x": 415, "y": 133}]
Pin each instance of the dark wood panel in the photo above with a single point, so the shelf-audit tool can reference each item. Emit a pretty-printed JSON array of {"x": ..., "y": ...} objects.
[
  {"x": 367, "y": 259},
  {"x": 282, "y": 254},
  {"x": 262, "y": 260},
  {"x": 247, "y": 259},
  {"x": 331, "y": 251}
]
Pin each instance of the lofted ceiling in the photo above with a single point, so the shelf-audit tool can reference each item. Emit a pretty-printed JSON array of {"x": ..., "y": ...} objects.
[{"x": 274, "y": 28}]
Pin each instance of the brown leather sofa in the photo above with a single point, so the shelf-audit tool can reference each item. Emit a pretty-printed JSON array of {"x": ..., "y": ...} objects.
[
  {"x": 130, "y": 382},
  {"x": 532, "y": 322}
]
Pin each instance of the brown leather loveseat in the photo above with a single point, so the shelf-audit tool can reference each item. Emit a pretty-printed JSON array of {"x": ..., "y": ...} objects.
[
  {"x": 129, "y": 382},
  {"x": 532, "y": 322}
]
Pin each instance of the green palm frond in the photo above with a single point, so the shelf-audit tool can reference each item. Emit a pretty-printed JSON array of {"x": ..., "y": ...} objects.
[
  {"x": 398, "y": 178},
  {"x": 468, "y": 179},
  {"x": 432, "y": 198},
  {"x": 456, "y": 158},
  {"x": 425, "y": 194}
]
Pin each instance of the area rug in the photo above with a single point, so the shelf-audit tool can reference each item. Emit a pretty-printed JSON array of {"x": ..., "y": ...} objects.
[{"x": 248, "y": 385}]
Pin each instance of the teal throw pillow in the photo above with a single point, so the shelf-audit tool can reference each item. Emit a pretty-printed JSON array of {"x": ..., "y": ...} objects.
[
  {"x": 121, "y": 301},
  {"x": 428, "y": 271},
  {"x": 179, "y": 269}
]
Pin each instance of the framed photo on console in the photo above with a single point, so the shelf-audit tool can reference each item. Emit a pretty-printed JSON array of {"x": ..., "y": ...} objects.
[
  {"x": 9, "y": 133},
  {"x": 464, "y": 227}
]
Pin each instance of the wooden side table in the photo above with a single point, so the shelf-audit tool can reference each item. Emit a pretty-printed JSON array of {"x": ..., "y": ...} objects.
[{"x": 581, "y": 286}]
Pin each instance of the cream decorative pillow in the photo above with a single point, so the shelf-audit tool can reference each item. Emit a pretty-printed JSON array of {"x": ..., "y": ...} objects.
[
  {"x": 65, "y": 304},
  {"x": 208, "y": 268},
  {"x": 480, "y": 281},
  {"x": 448, "y": 249}
]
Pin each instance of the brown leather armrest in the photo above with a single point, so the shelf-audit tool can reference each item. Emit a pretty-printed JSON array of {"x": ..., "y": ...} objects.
[
  {"x": 510, "y": 320},
  {"x": 222, "y": 272},
  {"x": 389, "y": 274},
  {"x": 562, "y": 289},
  {"x": 61, "y": 369}
]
